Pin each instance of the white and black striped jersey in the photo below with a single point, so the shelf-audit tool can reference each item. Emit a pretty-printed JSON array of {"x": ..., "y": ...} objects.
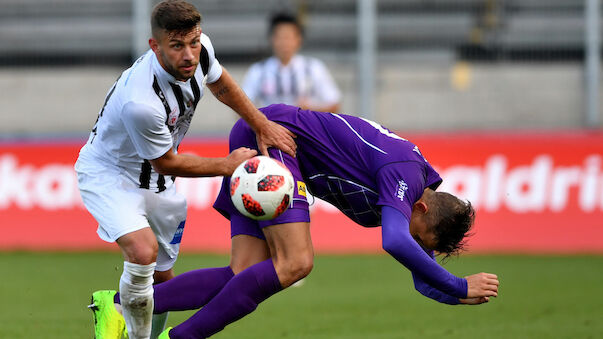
[
  {"x": 270, "y": 82},
  {"x": 146, "y": 113}
]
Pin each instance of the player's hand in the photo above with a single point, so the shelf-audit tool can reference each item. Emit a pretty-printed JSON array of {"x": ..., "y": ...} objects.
[
  {"x": 474, "y": 301},
  {"x": 482, "y": 285},
  {"x": 272, "y": 134},
  {"x": 236, "y": 157}
]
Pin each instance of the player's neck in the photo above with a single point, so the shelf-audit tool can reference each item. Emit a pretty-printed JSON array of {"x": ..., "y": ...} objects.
[{"x": 285, "y": 60}]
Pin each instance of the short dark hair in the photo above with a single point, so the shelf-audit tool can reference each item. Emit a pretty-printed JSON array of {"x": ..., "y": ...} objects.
[
  {"x": 174, "y": 15},
  {"x": 284, "y": 18},
  {"x": 450, "y": 219}
]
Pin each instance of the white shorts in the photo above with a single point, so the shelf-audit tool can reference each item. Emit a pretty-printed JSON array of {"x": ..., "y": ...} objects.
[{"x": 121, "y": 207}]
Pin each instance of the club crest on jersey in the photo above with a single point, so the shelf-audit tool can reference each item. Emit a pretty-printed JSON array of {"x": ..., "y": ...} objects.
[
  {"x": 173, "y": 117},
  {"x": 402, "y": 188}
]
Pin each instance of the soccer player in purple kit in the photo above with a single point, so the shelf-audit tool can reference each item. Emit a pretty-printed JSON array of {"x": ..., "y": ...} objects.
[{"x": 374, "y": 177}]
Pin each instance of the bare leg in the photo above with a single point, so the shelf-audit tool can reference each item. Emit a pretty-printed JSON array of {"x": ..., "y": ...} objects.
[{"x": 247, "y": 251}]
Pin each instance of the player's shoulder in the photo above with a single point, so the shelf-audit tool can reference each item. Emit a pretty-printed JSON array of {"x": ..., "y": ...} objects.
[
  {"x": 205, "y": 38},
  {"x": 139, "y": 76},
  {"x": 265, "y": 64},
  {"x": 142, "y": 113},
  {"x": 207, "y": 44}
]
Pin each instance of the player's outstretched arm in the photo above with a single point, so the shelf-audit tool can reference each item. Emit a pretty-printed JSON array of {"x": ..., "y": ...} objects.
[
  {"x": 268, "y": 132},
  {"x": 188, "y": 165},
  {"x": 435, "y": 294},
  {"x": 398, "y": 242}
]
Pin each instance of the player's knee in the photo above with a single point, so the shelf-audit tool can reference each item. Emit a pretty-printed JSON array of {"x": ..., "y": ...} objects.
[
  {"x": 142, "y": 254},
  {"x": 304, "y": 267},
  {"x": 297, "y": 268},
  {"x": 139, "y": 247}
]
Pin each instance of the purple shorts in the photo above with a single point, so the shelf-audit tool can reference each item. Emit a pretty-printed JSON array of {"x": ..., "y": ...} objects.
[{"x": 298, "y": 211}]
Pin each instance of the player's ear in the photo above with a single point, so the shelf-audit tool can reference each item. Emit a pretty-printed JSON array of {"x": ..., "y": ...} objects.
[
  {"x": 154, "y": 44},
  {"x": 421, "y": 206}
]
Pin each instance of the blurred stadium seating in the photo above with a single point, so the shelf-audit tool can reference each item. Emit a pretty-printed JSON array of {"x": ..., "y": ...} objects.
[
  {"x": 51, "y": 31},
  {"x": 443, "y": 64}
]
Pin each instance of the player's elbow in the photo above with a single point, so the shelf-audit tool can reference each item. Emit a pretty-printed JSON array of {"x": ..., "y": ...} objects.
[
  {"x": 162, "y": 167},
  {"x": 162, "y": 170},
  {"x": 166, "y": 164}
]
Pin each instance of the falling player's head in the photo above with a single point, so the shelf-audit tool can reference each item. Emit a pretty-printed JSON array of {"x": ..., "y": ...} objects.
[
  {"x": 176, "y": 34},
  {"x": 286, "y": 35},
  {"x": 441, "y": 222}
]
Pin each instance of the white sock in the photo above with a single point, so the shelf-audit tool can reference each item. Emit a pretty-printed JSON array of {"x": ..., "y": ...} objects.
[
  {"x": 159, "y": 322},
  {"x": 136, "y": 295}
]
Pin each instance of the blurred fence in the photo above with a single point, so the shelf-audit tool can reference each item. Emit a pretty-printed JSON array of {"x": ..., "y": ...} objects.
[{"x": 441, "y": 64}]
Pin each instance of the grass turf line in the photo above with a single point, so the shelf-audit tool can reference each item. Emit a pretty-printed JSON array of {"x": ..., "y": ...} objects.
[{"x": 43, "y": 295}]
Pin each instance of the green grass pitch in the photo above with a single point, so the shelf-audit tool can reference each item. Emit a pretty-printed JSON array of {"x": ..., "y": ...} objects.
[{"x": 44, "y": 295}]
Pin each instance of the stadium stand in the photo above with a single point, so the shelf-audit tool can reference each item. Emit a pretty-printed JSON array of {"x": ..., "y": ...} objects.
[
  {"x": 67, "y": 31},
  {"x": 431, "y": 55}
]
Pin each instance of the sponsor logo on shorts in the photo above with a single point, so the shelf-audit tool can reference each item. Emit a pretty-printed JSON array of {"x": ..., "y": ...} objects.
[
  {"x": 301, "y": 188},
  {"x": 178, "y": 235},
  {"x": 402, "y": 188}
]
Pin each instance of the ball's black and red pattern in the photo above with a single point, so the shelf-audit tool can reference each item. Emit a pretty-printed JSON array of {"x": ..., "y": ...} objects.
[
  {"x": 234, "y": 183},
  {"x": 271, "y": 183},
  {"x": 252, "y": 206},
  {"x": 251, "y": 166},
  {"x": 282, "y": 207},
  {"x": 261, "y": 188}
]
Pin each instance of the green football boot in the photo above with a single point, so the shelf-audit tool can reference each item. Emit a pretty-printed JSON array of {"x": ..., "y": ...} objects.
[
  {"x": 165, "y": 334},
  {"x": 108, "y": 323}
]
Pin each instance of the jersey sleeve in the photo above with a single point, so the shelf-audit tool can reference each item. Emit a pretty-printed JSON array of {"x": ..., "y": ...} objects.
[
  {"x": 399, "y": 243},
  {"x": 431, "y": 292},
  {"x": 214, "y": 71},
  {"x": 327, "y": 91},
  {"x": 251, "y": 83},
  {"x": 147, "y": 130},
  {"x": 400, "y": 185}
]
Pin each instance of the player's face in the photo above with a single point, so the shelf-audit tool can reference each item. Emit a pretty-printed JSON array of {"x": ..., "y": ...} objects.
[
  {"x": 178, "y": 52},
  {"x": 286, "y": 41}
]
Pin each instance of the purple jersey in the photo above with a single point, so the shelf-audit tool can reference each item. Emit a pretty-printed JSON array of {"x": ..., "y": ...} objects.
[
  {"x": 364, "y": 170},
  {"x": 356, "y": 164}
]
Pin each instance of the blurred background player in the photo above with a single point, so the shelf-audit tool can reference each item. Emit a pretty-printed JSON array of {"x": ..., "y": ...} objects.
[
  {"x": 288, "y": 77},
  {"x": 384, "y": 181},
  {"x": 127, "y": 167}
]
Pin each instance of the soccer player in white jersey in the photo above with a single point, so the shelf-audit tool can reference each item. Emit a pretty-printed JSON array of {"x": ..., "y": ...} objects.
[
  {"x": 288, "y": 77},
  {"x": 127, "y": 167}
]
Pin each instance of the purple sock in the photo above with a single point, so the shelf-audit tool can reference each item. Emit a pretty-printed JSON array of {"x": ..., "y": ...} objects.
[
  {"x": 190, "y": 290},
  {"x": 239, "y": 297}
]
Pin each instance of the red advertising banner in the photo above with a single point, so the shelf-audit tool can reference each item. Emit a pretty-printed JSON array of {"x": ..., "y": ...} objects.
[{"x": 533, "y": 192}]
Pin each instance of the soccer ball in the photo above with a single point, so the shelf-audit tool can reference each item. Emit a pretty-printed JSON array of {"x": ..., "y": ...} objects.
[{"x": 261, "y": 188}]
